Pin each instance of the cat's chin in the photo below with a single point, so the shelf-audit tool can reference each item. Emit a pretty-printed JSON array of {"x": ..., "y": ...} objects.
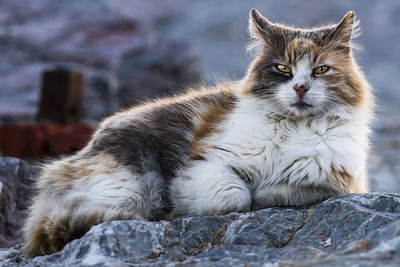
[
  {"x": 302, "y": 106},
  {"x": 299, "y": 110}
]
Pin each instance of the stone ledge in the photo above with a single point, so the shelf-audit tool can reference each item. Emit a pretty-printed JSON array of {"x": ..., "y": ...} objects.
[{"x": 360, "y": 229}]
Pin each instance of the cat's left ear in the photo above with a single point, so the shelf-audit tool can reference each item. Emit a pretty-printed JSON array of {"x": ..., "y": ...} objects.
[{"x": 345, "y": 30}]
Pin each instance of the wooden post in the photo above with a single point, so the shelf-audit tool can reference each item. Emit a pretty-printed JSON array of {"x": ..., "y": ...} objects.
[{"x": 61, "y": 97}]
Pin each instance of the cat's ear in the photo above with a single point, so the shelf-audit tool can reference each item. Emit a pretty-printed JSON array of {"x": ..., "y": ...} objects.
[
  {"x": 259, "y": 26},
  {"x": 261, "y": 29},
  {"x": 345, "y": 30}
]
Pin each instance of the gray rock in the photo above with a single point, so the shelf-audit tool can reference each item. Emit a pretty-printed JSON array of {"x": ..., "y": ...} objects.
[
  {"x": 16, "y": 179},
  {"x": 352, "y": 230}
]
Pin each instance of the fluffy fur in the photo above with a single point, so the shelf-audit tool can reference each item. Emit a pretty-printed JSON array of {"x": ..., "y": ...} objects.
[{"x": 272, "y": 139}]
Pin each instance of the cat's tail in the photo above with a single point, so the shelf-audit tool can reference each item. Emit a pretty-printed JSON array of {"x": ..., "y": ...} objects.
[{"x": 49, "y": 230}]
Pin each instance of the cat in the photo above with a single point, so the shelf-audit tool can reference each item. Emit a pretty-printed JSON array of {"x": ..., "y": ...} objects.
[{"x": 293, "y": 132}]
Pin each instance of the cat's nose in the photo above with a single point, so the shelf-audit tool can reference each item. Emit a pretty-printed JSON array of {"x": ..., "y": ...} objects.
[{"x": 301, "y": 90}]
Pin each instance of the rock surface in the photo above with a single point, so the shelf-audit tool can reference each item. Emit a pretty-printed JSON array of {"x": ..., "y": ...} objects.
[
  {"x": 16, "y": 178},
  {"x": 356, "y": 230}
]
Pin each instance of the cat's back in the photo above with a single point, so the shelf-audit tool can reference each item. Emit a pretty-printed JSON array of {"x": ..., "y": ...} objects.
[
  {"x": 124, "y": 170},
  {"x": 163, "y": 132}
]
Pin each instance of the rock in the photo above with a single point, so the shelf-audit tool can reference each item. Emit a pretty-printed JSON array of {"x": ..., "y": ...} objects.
[
  {"x": 16, "y": 179},
  {"x": 360, "y": 230}
]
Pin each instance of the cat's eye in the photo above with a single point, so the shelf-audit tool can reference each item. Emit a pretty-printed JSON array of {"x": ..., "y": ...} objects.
[
  {"x": 283, "y": 68},
  {"x": 321, "y": 69}
]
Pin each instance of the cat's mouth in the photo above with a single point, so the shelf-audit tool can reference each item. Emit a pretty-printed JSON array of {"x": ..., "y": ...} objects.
[{"x": 301, "y": 105}]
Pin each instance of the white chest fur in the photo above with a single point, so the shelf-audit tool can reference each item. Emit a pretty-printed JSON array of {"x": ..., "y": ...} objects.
[
  {"x": 263, "y": 158},
  {"x": 276, "y": 149}
]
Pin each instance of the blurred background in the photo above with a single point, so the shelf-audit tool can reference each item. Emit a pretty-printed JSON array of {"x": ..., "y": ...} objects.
[{"x": 64, "y": 65}]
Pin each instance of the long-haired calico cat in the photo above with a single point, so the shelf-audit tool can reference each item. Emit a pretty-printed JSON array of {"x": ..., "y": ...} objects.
[{"x": 293, "y": 132}]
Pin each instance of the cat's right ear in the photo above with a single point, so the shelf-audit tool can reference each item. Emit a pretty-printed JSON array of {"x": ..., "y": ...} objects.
[
  {"x": 343, "y": 33},
  {"x": 261, "y": 30}
]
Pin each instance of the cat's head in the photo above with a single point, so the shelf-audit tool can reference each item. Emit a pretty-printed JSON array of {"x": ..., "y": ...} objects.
[{"x": 306, "y": 71}]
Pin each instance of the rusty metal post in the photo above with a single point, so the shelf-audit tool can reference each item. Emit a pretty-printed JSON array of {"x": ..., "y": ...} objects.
[{"x": 61, "y": 97}]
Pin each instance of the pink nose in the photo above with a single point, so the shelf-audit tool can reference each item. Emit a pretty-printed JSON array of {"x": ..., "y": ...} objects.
[{"x": 301, "y": 90}]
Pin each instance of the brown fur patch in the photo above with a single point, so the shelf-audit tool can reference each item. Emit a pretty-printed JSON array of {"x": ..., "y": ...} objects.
[
  {"x": 344, "y": 182},
  {"x": 38, "y": 242},
  {"x": 208, "y": 121},
  {"x": 99, "y": 164},
  {"x": 298, "y": 48},
  {"x": 68, "y": 170}
]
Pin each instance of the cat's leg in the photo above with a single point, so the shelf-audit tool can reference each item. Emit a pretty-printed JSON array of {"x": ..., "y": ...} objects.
[
  {"x": 209, "y": 188},
  {"x": 74, "y": 195}
]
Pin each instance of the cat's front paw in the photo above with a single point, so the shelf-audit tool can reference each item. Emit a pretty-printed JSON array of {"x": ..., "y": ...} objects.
[
  {"x": 209, "y": 191},
  {"x": 229, "y": 198}
]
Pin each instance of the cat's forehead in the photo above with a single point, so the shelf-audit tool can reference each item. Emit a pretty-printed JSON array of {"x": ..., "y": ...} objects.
[{"x": 304, "y": 44}]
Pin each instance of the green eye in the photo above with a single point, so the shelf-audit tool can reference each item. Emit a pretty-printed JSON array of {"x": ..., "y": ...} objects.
[
  {"x": 283, "y": 68},
  {"x": 321, "y": 69}
]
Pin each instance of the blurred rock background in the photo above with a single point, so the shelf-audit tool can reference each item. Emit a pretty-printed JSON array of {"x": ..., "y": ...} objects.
[{"x": 131, "y": 50}]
